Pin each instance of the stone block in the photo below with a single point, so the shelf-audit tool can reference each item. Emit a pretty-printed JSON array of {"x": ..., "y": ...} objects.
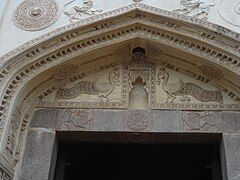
[
  {"x": 38, "y": 155},
  {"x": 44, "y": 118},
  {"x": 74, "y": 120},
  {"x": 230, "y": 121},
  {"x": 166, "y": 121},
  {"x": 231, "y": 156}
]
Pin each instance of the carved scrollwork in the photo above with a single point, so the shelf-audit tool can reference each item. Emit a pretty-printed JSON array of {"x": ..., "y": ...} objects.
[
  {"x": 76, "y": 11},
  {"x": 199, "y": 8}
]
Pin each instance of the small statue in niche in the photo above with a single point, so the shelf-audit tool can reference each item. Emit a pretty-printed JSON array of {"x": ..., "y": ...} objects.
[
  {"x": 200, "y": 8},
  {"x": 75, "y": 12},
  {"x": 138, "y": 97}
]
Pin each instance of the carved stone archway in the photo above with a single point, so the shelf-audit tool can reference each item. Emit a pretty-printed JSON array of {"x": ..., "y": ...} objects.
[{"x": 203, "y": 55}]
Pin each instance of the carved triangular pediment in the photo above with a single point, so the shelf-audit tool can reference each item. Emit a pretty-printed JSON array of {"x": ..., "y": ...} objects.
[{"x": 139, "y": 83}]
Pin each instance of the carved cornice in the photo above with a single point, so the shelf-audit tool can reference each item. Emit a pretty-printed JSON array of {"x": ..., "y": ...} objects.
[{"x": 136, "y": 6}]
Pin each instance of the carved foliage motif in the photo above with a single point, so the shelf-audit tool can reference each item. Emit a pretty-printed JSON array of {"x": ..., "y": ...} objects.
[
  {"x": 76, "y": 11},
  {"x": 76, "y": 118},
  {"x": 32, "y": 15},
  {"x": 201, "y": 121},
  {"x": 199, "y": 8}
]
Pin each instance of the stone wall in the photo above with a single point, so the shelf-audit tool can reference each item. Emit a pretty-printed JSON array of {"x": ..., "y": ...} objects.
[{"x": 41, "y": 144}]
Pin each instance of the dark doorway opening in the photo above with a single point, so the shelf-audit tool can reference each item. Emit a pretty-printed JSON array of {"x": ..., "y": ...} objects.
[{"x": 118, "y": 161}]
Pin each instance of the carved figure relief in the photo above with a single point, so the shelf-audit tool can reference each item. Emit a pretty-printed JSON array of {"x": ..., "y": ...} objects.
[
  {"x": 199, "y": 8},
  {"x": 33, "y": 15},
  {"x": 173, "y": 90},
  {"x": 137, "y": 121},
  {"x": 140, "y": 83},
  {"x": 98, "y": 87},
  {"x": 201, "y": 121},
  {"x": 76, "y": 11},
  {"x": 229, "y": 10},
  {"x": 76, "y": 118}
]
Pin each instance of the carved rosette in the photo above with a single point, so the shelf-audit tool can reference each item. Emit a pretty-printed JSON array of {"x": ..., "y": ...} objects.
[
  {"x": 137, "y": 120},
  {"x": 33, "y": 15}
]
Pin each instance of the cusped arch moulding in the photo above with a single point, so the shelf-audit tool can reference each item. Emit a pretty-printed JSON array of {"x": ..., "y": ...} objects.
[
  {"x": 24, "y": 71},
  {"x": 33, "y": 15}
]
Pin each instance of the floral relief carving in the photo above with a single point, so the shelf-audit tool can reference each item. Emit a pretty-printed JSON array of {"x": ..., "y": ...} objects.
[
  {"x": 199, "y": 8},
  {"x": 137, "y": 120},
  {"x": 75, "y": 12},
  {"x": 33, "y": 15}
]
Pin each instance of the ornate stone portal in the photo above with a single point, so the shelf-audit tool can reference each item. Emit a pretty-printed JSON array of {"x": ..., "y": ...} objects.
[{"x": 155, "y": 73}]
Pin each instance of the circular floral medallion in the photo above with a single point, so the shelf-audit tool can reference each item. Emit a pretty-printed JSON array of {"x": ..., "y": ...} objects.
[
  {"x": 137, "y": 121},
  {"x": 33, "y": 15}
]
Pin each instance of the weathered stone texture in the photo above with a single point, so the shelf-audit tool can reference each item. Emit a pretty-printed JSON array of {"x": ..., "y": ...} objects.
[
  {"x": 231, "y": 156},
  {"x": 38, "y": 155}
]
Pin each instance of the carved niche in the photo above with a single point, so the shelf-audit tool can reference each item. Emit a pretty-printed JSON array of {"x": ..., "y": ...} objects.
[{"x": 140, "y": 83}]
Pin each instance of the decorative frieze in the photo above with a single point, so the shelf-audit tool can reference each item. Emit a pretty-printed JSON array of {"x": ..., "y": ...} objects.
[{"x": 33, "y": 15}]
